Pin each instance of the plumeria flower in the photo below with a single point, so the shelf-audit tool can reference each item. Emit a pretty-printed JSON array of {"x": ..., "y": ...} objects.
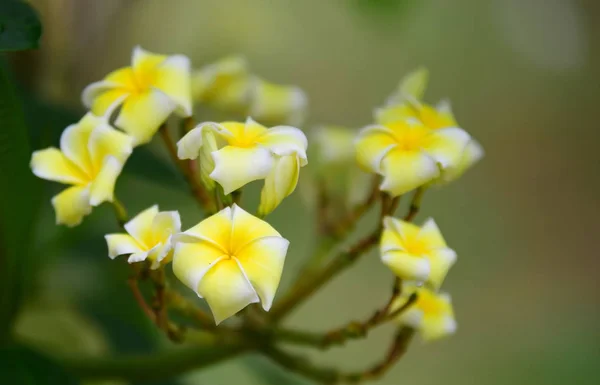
[
  {"x": 416, "y": 253},
  {"x": 234, "y": 154},
  {"x": 406, "y": 103},
  {"x": 149, "y": 237},
  {"x": 90, "y": 159},
  {"x": 229, "y": 85},
  {"x": 431, "y": 314},
  {"x": 147, "y": 92},
  {"x": 231, "y": 259},
  {"x": 226, "y": 85},
  {"x": 277, "y": 103},
  {"x": 408, "y": 154}
]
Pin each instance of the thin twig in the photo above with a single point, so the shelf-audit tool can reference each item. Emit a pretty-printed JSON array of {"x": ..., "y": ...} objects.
[
  {"x": 139, "y": 297},
  {"x": 415, "y": 204}
]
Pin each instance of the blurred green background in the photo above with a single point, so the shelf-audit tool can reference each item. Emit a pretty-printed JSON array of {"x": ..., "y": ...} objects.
[{"x": 523, "y": 77}]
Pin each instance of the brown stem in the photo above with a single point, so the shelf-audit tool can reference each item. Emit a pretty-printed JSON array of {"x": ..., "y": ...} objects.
[
  {"x": 139, "y": 297},
  {"x": 415, "y": 204},
  {"x": 188, "y": 170}
]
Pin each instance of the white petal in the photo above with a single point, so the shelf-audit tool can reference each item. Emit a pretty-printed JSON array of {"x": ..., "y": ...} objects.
[
  {"x": 404, "y": 171},
  {"x": 280, "y": 183},
  {"x": 407, "y": 266},
  {"x": 372, "y": 145},
  {"x": 52, "y": 164},
  {"x": 262, "y": 261},
  {"x": 226, "y": 289},
  {"x": 103, "y": 187},
  {"x": 236, "y": 166},
  {"x": 174, "y": 79},
  {"x": 140, "y": 226},
  {"x": 119, "y": 244},
  {"x": 447, "y": 145},
  {"x": 285, "y": 140},
  {"x": 71, "y": 205}
]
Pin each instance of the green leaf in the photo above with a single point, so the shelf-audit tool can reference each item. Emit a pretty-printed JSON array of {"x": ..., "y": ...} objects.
[
  {"x": 24, "y": 366},
  {"x": 269, "y": 373},
  {"x": 19, "y": 198},
  {"x": 20, "y": 27}
]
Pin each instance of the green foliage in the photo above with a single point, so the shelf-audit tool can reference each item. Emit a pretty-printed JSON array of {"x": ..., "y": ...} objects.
[
  {"x": 20, "y": 27},
  {"x": 24, "y": 366},
  {"x": 18, "y": 203}
]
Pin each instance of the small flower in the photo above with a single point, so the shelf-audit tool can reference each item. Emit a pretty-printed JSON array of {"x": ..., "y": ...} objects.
[
  {"x": 406, "y": 104},
  {"x": 431, "y": 313},
  {"x": 148, "y": 92},
  {"x": 90, "y": 159},
  {"x": 231, "y": 259},
  {"x": 408, "y": 154},
  {"x": 149, "y": 237},
  {"x": 247, "y": 152},
  {"x": 226, "y": 85},
  {"x": 416, "y": 254},
  {"x": 229, "y": 85},
  {"x": 275, "y": 103}
]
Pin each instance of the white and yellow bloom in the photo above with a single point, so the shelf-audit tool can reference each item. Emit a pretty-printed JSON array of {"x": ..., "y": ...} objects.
[
  {"x": 277, "y": 104},
  {"x": 225, "y": 84},
  {"x": 416, "y": 253},
  {"x": 149, "y": 237},
  {"x": 431, "y": 314},
  {"x": 90, "y": 159},
  {"x": 406, "y": 103},
  {"x": 231, "y": 259},
  {"x": 244, "y": 152},
  {"x": 148, "y": 92},
  {"x": 229, "y": 85},
  {"x": 408, "y": 154}
]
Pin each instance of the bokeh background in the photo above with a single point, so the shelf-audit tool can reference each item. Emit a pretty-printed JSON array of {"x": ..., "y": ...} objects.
[{"x": 523, "y": 77}]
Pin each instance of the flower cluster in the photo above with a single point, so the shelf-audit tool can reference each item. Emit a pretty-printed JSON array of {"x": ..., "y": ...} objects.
[{"x": 232, "y": 258}]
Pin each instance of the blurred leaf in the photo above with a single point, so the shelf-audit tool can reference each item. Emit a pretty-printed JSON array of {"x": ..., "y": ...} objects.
[
  {"x": 24, "y": 366},
  {"x": 20, "y": 28},
  {"x": 18, "y": 203}
]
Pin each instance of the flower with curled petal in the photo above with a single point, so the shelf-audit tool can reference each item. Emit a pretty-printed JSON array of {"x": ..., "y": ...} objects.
[
  {"x": 149, "y": 237},
  {"x": 431, "y": 314},
  {"x": 406, "y": 103},
  {"x": 148, "y": 92},
  {"x": 90, "y": 159},
  {"x": 416, "y": 253},
  {"x": 231, "y": 259},
  {"x": 243, "y": 152},
  {"x": 408, "y": 154}
]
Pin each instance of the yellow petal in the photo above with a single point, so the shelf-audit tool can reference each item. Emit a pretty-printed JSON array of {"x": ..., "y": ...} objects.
[
  {"x": 280, "y": 183},
  {"x": 173, "y": 77},
  {"x": 102, "y": 95},
  {"x": 246, "y": 228},
  {"x": 372, "y": 145},
  {"x": 140, "y": 227},
  {"x": 472, "y": 154},
  {"x": 71, "y": 205},
  {"x": 440, "y": 261},
  {"x": 74, "y": 142},
  {"x": 407, "y": 266},
  {"x": 447, "y": 145},
  {"x": 215, "y": 229},
  {"x": 277, "y": 104},
  {"x": 226, "y": 289},
  {"x": 413, "y": 85},
  {"x": 431, "y": 234},
  {"x": 106, "y": 142},
  {"x": 262, "y": 261},
  {"x": 191, "y": 261},
  {"x": 51, "y": 164},
  {"x": 144, "y": 64},
  {"x": 165, "y": 225},
  {"x": 285, "y": 140},
  {"x": 103, "y": 186},
  {"x": 142, "y": 114},
  {"x": 404, "y": 171},
  {"x": 237, "y": 166},
  {"x": 119, "y": 244},
  {"x": 395, "y": 113}
]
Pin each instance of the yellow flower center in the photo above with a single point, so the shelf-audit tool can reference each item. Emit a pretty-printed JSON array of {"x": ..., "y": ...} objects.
[
  {"x": 409, "y": 138},
  {"x": 433, "y": 119},
  {"x": 429, "y": 303},
  {"x": 244, "y": 135},
  {"x": 416, "y": 247}
]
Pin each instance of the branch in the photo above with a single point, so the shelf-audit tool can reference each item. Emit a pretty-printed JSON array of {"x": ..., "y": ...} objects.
[
  {"x": 188, "y": 170},
  {"x": 154, "y": 367}
]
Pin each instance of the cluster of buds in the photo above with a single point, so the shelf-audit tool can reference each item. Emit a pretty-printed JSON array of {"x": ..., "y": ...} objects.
[{"x": 232, "y": 258}]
